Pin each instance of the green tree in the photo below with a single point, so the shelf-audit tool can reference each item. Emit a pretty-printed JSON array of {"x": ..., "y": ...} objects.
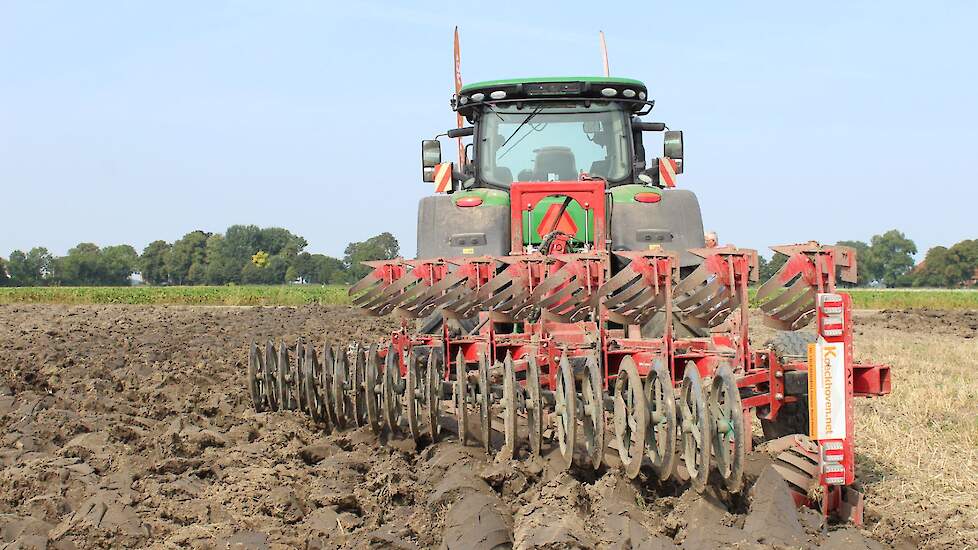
[
  {"x": 948, "y": 267},
  {"x": 278, "y": 241},
  {"x": 379, "y": 247},
  {"x": 152, "y": 263},
  {"x": 118, "y": 264},
  {"x": 767, "y": 268},
  {"x": 82, "y": 266},
  {"x": 319, "y": 268},
  {"x": 222, "y": 266},
  {"x": 4, "y": 277},
  {"x": 891, "y": 256},
  {"x": 935, "y": 270},
  {"x": 187, "y": 259},
  {"x": 31, "y": 268}
]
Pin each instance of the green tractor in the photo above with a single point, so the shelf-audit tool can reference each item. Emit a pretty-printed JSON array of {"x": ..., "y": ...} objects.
[{"x": 558, "y": 129}]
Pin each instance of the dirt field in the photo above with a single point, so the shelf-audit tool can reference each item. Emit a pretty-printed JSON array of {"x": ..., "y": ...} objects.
[{"x": 128, "y": 426}]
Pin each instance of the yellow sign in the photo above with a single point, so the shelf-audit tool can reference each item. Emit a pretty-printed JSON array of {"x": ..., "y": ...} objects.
[
  {"x": 826, "y": 390},
  {"x": 468, "y": 251}
]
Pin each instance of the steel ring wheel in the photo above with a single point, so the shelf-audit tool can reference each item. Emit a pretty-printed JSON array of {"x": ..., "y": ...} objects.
[
  {"x": 372, "y": 390},
  {"x": 509, "y": 403},
  {"x": 341, "y": 372},
  {"x": 460, "y": 389},
  {"x": 310, "y": 376},
  {"x": 284, "y": 381},
  {"x": 485, "y": 404},
  {"x": 298, "y": 389},
  {"x": 414, "y": 392},
  {"x": 697, "y": 429},
  {"x": 358, "y": 387},
  {"x": 592, "y": 397},
  {"x": 326, "y": 383},
  {"x": 631, "y": 417},
  {"x": 565, "y": 412},
  {"x": 728, "y": 435},
  {"x": 256, "y": 380},
  {"x": 393, "y": 411},
  {"x": 271, "y": 372},
  {"x": 534, "y": 405},
  {"x": 435, "y": 373},
  {"x": 660, "y": 440}
]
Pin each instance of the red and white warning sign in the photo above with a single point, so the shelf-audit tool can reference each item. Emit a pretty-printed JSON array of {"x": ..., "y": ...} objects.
[
  {"x": 667, "y": 172},
  {"x": 443, "y": 177},
  {"x": 565, "y": 224}
]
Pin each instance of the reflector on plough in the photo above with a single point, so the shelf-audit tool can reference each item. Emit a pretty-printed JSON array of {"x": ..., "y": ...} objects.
[
  {"x": 718, "y": 286},
  {"x": 788, "y": 298}
]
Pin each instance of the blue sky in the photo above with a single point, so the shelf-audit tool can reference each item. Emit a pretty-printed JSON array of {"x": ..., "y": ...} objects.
[{"x": 133, "y": 121}]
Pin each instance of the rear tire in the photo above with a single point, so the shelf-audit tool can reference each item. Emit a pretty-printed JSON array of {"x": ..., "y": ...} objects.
[{"x": 792, "y": 417}]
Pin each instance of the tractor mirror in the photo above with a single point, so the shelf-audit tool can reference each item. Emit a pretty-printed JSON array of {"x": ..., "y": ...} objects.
[
  {"x": 461, "y": 132},
  {"x": 430, "y": 157},
  {"x": 649, "y": 126},
  {"x": 672, "y": 144}
]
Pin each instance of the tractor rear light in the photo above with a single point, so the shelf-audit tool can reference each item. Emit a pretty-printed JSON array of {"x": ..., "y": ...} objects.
[
  {"x": 463, "y": 100},
  {"x": 609, "y": 92},
  {"x": 641, "y": 95},
  {"x": 478, "y": 96},
  {"x": 648, "y": 197},
  {"x": 467, "y": 202},
  {"x": 498, "y": 94},
  {"x": 629, "y": 93}
]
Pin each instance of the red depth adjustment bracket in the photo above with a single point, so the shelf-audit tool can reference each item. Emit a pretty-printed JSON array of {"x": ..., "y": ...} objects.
[{"x": 830, "y": 406}]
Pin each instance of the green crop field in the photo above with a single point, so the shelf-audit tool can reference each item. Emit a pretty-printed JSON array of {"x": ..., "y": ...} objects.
[
  {"x": 293, "y": 295},
  {"x": 290, "y": 295}
]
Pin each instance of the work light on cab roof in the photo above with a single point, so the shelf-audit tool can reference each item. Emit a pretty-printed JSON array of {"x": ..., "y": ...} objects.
[{"x": 627, "y": 91}]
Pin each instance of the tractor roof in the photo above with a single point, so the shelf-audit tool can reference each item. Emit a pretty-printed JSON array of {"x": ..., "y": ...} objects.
[
  {"x": 551, "y": 79},
  {"x": 629, "y": 91}
]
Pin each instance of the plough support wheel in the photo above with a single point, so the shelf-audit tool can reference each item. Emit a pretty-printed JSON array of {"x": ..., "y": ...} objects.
[
  {"x": 728, "y": 435},
  {"x": 414, "y": 398},
  {"x": 392, "y": 388},
  {"x": 485, "y": 404},
  {"x": 341, "y": 374},
  {"x": 328, "y": 364},
  {"x": 256, "y": 382},
  {"x": 660, "y": 440},
  {"x": 358, "y": 386},
  {"x": 592, "y": 397},
  {"x": 534, "y": 405},
  {"x": 271, "y": 379},
  {"x": 510, "y": 403},
  {"x": 433, "y": 392},
  {"x": 631, "y": 417},
  {"x": 372, "y": 393},
  {"x": 697, "y": 428},
  {"x": 284, "y": 379},
  {"x": 460, "y": 393},
  {"x": 565, "y": 412}
]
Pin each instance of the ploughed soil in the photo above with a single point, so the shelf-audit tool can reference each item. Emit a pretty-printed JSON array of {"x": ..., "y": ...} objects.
[{"x": 131, "y": 427}]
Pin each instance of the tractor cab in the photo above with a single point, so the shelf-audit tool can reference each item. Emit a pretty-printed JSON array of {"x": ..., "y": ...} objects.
[
  {"x": 557, "y": 129},
  {"x": 545, "y": 130}
]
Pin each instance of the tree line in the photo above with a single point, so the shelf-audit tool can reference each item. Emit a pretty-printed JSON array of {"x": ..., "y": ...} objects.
[
  {"x": 247, "y": 254},
  {"x": 887, "y": 261},
  {"x": 243, "y": 254}
]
